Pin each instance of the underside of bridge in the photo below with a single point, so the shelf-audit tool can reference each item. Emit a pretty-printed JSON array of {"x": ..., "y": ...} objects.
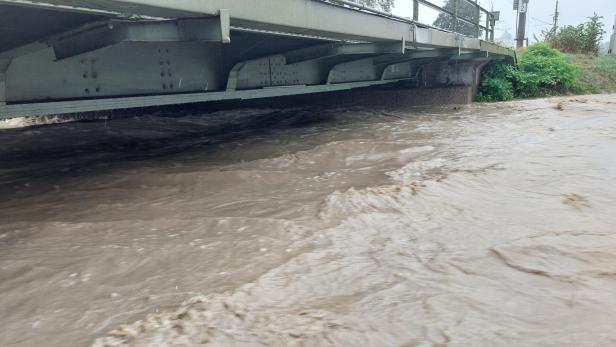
[{"x": 62, "y": 56}]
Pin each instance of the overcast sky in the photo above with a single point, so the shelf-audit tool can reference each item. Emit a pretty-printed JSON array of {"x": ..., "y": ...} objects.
[{"x": 540, "y": 13}]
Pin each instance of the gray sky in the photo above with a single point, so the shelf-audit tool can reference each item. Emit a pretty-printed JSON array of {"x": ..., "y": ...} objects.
[{"x": 572, "y": 12}]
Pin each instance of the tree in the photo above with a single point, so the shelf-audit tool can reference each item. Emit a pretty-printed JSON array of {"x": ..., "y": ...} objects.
[
  {"x": 583, "y": 38},
  {"x": 593, "y": 34},
  {"x": 465, "y": 11},
  {"x": 385, "y": 5}
]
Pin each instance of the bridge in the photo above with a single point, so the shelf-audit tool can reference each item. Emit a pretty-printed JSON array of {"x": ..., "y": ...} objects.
[{"x": 72, "y": 56}]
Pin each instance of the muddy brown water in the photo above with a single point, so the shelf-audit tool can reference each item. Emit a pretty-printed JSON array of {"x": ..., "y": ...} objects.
[{"x": 486, "y": 225}]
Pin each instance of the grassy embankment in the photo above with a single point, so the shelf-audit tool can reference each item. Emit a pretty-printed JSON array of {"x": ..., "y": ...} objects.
[
  {"x": 543, "y": 71},
  {"x": 597, "y": 73}
]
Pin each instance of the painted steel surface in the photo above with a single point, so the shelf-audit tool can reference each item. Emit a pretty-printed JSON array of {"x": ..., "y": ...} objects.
[{"x": 110, "y": 54}]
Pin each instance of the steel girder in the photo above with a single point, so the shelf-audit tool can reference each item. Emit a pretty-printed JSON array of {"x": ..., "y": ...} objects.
[
  {"x": 310, "y": 66},
  {"x": 107, "y": 33},
  {"x": 91, "y": 105}
]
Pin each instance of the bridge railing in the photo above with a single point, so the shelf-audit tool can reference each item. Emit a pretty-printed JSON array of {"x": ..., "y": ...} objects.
[
  {"x": 466, "y": 17},
  {"x": 461, "y": 16}
]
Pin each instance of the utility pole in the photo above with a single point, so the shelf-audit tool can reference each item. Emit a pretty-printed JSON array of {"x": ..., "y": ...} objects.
[
  {"x": 612, "y": 49},
  {"x": 521, "y": 35},
  {"x": 556, "y": 14}
]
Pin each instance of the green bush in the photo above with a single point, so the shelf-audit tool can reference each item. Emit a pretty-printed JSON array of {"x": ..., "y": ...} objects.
[
  {"x": 544, "y": 71},
  {"x": 496, "y": 83},
  {"x": 541, "y": 71}
]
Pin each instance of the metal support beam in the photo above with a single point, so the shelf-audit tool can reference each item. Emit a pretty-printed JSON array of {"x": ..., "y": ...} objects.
[
  {"x": 273, "y": 71},
  {"x": 416, "y": 55},
  {"x": 394, "y": 70},
  {"x": 63, "y": 107},
  {"x": 354, "y": 71},
  {"x": 125, "y": 69},
  {"x": 7, "y": 56},
  {"x": 307, "y": 66},
  {"x": 475, "y": 55},
  {"x": 337, "y": 49},
  {"x": 103, "y": 34}
]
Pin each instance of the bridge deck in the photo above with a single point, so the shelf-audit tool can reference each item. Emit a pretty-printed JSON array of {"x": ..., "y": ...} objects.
[{"x": 305, "y": 17}]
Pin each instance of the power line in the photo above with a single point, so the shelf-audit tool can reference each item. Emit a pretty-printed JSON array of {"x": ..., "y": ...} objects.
[{"x": 540, "y": 20}]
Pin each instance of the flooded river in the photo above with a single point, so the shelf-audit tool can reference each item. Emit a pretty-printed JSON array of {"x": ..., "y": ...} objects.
[{"x": 485, "y": 225}]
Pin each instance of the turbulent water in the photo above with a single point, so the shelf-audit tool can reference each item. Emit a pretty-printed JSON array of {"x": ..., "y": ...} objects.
[{"x": 486, "y": 225}]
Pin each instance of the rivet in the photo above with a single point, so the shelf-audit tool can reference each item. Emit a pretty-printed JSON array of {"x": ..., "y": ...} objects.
[{"x": 85, "y": 75}]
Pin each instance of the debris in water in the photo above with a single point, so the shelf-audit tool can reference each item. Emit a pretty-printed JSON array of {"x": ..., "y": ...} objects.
[{"x": 576, "y": 201}]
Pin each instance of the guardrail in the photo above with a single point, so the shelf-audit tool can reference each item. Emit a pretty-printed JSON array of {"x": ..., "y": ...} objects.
[{"x": 455, "y": 9}]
